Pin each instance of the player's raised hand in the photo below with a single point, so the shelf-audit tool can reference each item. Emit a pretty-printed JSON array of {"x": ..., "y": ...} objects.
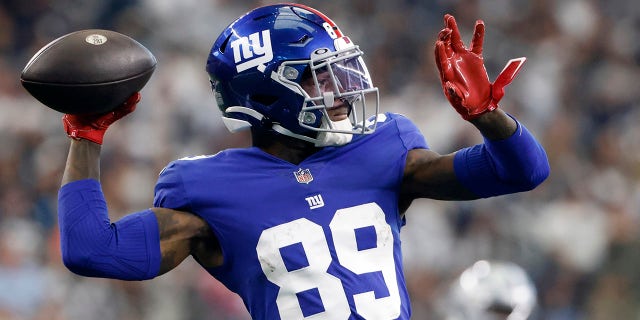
[
  {"x": 462, "y": 72},
  {"x": 92, "y": 127}
]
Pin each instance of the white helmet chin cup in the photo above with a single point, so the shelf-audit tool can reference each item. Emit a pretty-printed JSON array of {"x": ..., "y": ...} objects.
[{"x": 332, "y": 138}]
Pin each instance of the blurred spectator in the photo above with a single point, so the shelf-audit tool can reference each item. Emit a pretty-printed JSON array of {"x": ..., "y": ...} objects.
[{"x": 576, "y": 235}]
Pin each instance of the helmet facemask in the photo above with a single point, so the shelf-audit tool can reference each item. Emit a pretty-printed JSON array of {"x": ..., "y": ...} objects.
[{"x": 335, "y": 84}]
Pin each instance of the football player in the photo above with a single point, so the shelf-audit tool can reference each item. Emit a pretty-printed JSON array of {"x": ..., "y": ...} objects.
[
  {"x": 490, "y": 290},
  {"x": 306, "y": 222}
]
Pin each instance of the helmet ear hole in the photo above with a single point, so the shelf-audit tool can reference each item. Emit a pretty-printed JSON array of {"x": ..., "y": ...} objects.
[
  {"x": 223, "y": 46},
  {"x": 264, "y": 99},
  {"x": 306, "y": 74}
]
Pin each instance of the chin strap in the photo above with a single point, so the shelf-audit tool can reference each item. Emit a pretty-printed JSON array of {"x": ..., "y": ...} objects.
[
  {"x": 236, "y": 125},
  {"x": 324, "y": 138},
  {"x": 284, "y": 131},
  {"x": 328, "y": 138}
]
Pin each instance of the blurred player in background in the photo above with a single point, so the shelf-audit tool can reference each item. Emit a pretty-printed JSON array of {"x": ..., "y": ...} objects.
[
  {"x": 306, "y": 222},
  {"x": 490, "y": 290}
]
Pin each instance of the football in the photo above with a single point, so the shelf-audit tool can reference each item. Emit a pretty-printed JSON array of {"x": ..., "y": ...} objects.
[{"x": 88, "y": 71}]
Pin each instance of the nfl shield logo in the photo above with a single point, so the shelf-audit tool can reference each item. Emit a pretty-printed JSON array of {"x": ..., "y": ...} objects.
[{"x": 303, "y": 176}]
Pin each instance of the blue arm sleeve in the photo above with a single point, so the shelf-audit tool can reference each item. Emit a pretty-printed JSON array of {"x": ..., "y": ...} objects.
[
  {"x": 518, "y": 163},
  {"x": 92, "y": 246}
]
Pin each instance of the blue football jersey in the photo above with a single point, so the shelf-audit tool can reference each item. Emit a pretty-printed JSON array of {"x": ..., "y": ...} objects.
[{"x": 319, "y": 239}]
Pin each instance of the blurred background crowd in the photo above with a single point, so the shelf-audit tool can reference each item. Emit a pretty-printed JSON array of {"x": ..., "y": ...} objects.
[{"x": 577, "y": 235}]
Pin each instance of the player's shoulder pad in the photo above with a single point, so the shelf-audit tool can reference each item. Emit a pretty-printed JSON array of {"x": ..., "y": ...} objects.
[
  {"x": 385, "y": 118},
  {"x": 194, "y": 158},
  {"x": 407, "y": 129},
  {"x": 375, "y": 119},
  {"x": 184, "y": 161}
]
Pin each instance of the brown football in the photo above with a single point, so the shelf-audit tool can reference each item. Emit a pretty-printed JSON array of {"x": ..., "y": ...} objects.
[{"x": 88, "y": 71}]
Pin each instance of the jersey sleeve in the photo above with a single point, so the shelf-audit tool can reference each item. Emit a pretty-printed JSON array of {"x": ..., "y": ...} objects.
[
  {"x": 409, "y": 133},
  {"x": 169, "y": 190}
]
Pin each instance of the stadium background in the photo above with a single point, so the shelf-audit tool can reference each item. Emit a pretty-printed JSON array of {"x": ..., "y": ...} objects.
[{"x": 577, "y": 234}]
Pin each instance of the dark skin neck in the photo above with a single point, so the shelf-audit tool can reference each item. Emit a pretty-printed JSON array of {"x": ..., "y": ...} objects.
[{"x": 286, "y": 148}]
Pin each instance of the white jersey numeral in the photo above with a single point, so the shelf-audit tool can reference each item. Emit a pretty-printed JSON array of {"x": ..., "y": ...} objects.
[
  {"x": 314, "y": 276},
  {"x": 378, "y": 258}
]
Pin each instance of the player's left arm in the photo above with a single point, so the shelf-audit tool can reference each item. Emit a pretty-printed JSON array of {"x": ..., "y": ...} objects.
[{"x": 510, "y": 159}]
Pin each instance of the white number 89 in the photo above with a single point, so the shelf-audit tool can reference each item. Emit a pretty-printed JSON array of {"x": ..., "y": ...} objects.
[{"x": 315, "y": 276}]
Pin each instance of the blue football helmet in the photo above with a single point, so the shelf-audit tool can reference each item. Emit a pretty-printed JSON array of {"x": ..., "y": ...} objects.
[
  {"x": 492, "y": 289},
  {"x": 257, "y": 64}
]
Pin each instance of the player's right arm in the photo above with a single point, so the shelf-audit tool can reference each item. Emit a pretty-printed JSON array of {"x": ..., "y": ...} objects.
[{"x": 139, "y": 246}]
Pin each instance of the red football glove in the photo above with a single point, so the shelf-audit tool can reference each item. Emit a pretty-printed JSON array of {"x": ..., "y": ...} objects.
[
  {"x": 464, "y": 78},
  {"x": 92, "y": 127}
]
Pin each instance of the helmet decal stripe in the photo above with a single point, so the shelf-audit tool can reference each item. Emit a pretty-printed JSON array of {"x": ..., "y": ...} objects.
[{"x": 333, "y": 27}]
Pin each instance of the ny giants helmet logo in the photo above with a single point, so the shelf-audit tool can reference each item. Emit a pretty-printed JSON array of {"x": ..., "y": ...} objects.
[{"x": 252, "y": 51}]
